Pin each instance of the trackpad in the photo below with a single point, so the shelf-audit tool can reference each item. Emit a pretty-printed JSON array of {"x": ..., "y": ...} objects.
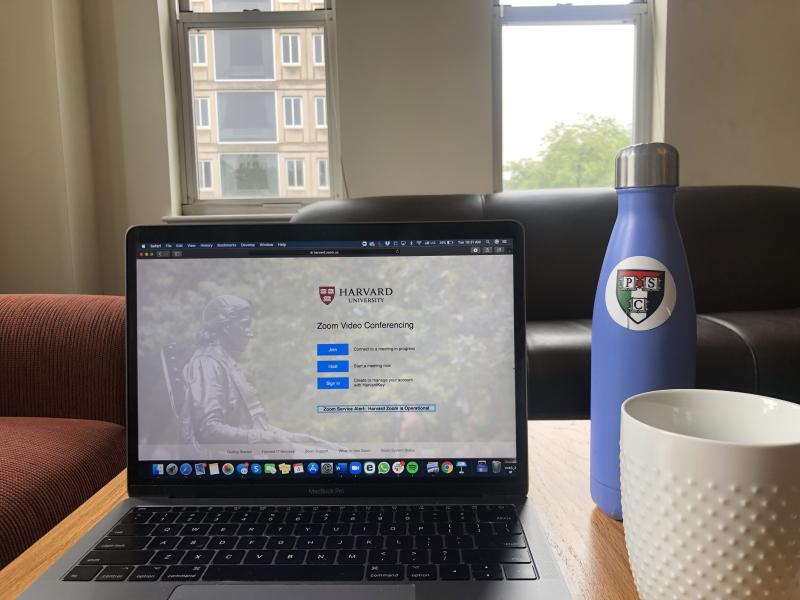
[{"x": 300, "y": 591}]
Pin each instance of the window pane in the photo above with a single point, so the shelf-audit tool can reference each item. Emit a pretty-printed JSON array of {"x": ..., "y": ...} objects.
[
  {"x": 243, "y": 54},
  {"x": 201, "y": 112},
  {"x": 204, "y": 174},
  {"x": 290, "y": 49},
  {"x": 319, "y": 50},
  {"x": 292, "y": 111},
  {"x": 230, "y": 5},
  {"x": 322, "y": 117},
  {"x": 322, "y": 171},
  {"x": 197, "y": 48},
  {"x": 246, "y": 117},
  {"x": 249, "y": 175},
  {"x": 574, "y": 2},
  {"x": 567, "y": 103},
  {"x": 294, "y": 173}
]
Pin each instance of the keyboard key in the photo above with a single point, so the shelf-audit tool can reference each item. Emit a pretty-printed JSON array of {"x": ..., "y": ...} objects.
[
  {"x": 369, "y": 542},
  {"x": 122, "y": 542},
  {"x": 487, "y": 572},
  {"x": 454, "y": 572},
  {"x": 284, "y": 573},
  {"x": 225, "y": 542},
  {"x": 305, "y": 529},
  {"x": 281, "y": 542},
  {"x": 163, "y": 543},
  {"x": 394, "y": 528},
  {"x": 399, "y": 542},
  {"x": 479, "y": 528},
  {"x": 251, "y": 529},
  {"x": 364, "y": 529},
  {"x": 168, "y": 557},
  {"x": 421, "y": 572},
  {"x": 500, "y": 541},
  {"x": 132, "y": 529},
  {"x": 193, "y": 543},
  {"x": 414, "y": 557},
  {"x": 385, "y": 572},
  {"x": 445, "y": 556},
  {"x": 450, "y": 528},
  {"x": 422, "y": 528},
  {"x": 117, "y": 557},
  {"x": 82, "y": 573},
  {"x": 517, "y": 571},
  {"x": 195, "y": 529},
  {"x": 148, "y": 573},
  {"x": 321, "y": 557},
  {"x": 339, "y": 542},
  {"x": 228, "y": 557},
  {"x": 183, "y": 573},
  {"x": 251, "y": 543},
  {"x": 279, "y": 529},
  {"x": 336, "y": 529},
  {"x": 197, "y": 557},
  {"x": 352, "y": 557},
  {"x": 244, "y": 517},
  {"x": 217, "y": 516},
  {"x": 224, "y": 529},
  {"x": 458, "y": 541},
  {"x": 116, "y": 573},
  {"x": 259, "y": 557},
  {"x": 429, "y": 542},
  {"x": 496, "y": 556},
  {"x": 383, "y": 557},
  {"x": 310, "y": 542},
  {"x": 290, "y": 557},
  {"x": 168, "y": 530}
]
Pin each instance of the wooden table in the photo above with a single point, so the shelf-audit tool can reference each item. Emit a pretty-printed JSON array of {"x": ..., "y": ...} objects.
[{"x": 589, "y": 547}]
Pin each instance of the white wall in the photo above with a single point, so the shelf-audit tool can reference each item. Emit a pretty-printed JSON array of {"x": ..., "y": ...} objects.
[{"x": 732, "y": 91}]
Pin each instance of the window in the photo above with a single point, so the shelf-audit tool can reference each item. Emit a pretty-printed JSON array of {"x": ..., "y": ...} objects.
[
  {"x": 575, "y": 89},
  {"x": 290, "y": 49},
  {"x": 240, "y": 5},
  {"x": 293, "y": 112},
  {"x": 246, "y": 117},
  {"x": 319, "y": 49},
  {"x": 201, "y": 118},
  {"x": 204, "y": 181},
  {"x": 321, "y": 111},
  {"x": 197, "y": 48},
  {"x": 241, "y": 54},
  {"x": 294, "y": 173},
  {"x": 322, "y": 173},
  {"x": 248, "y": 175}
]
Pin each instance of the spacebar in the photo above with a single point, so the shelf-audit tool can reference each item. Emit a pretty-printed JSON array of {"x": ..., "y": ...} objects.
[{"x": 284, "y": 573}]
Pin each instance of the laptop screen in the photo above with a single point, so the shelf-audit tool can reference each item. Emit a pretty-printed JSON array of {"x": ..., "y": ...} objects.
[{"x": 285, "y": 360}]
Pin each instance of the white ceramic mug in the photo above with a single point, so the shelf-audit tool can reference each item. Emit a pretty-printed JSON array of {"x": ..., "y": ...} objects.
[{"x": 711, "y": 495}]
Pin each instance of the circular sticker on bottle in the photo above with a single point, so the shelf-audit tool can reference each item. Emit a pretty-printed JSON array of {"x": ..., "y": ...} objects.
[{"x": 640, "y": 293}]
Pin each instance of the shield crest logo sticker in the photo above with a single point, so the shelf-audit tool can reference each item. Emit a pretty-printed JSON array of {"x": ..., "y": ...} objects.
[
  {"x": 639, "y": 292},
  {"x": 327, "y": 293}
]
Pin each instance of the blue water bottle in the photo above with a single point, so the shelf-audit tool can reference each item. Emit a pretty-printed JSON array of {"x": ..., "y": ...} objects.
[{"x": 643, "y": 328}]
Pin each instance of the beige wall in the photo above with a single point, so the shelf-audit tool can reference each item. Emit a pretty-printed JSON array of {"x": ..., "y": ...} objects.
[{"x": 732, "y": 90}]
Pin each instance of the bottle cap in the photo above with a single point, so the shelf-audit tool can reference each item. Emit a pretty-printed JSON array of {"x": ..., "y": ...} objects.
[{"x": 646, "y": 165}]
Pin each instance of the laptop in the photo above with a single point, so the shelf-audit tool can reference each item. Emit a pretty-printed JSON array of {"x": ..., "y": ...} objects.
[{"x": 321, "y": 411}]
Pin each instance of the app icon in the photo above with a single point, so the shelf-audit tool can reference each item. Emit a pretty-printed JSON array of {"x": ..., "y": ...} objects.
[
  {"x": 186, "y": 469},
  {"x": 243, "y": 468},
  {"x": 172, "y": 469},
  {"x": 383, "y": 467},
  {"x": 158, "y": 469},
  {"x": 497, "y": 466},
  {"x": 284, "y": 468},
  {"x": 213, "y": 469},
  {"x": 412, "y": 467},
  {"x": 200, "y": 468},
  {"x": 327, "y": 468},
  {"x": 227, "y": 469},
  {"x": 297, "y": 468},
  {"x": 355, "y": 468},
  {"x": 447, "y": 467},
  {"x": 341, "y": 468},
  {"x": 312, "y": 468},
  {"x": 369, "y": 468},
  {"x": 398, "y": 466},
  {"x": 482, "y": 467},
  {"x": 432, "y": 467},
  {"x": 255, "y": 469},
  {"x": 269, "y": 469}
]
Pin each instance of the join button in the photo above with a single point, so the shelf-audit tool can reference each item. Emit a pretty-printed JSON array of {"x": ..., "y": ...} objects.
[{"x": 333, "y": 349}]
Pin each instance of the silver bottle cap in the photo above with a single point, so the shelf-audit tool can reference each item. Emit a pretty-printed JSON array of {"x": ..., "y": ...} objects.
[{"x": 646, "y": 165}]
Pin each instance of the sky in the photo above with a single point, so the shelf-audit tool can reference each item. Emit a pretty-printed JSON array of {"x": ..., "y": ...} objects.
[{"x": 559, "y": 73}]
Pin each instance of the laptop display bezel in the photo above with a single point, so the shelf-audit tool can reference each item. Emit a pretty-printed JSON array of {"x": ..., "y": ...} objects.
[{"x": 516, "y": 485}]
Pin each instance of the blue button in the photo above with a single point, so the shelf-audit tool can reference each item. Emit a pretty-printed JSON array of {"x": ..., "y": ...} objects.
[
  {"x": 333, "y": 383},
  {"x": 333, "y": 349},
  {"x": 333, "y": 366},
  {"x": 355, "y": 468}
]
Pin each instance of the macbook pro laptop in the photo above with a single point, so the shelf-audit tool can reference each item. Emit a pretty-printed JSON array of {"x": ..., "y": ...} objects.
[{"x": 321, "y": 411}]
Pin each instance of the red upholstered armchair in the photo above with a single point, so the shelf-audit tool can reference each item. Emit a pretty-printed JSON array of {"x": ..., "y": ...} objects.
[{"x": 62, "y": 408}]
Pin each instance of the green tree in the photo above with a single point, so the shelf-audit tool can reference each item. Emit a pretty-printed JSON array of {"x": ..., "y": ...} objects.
[{"x": 575, "y": 155}]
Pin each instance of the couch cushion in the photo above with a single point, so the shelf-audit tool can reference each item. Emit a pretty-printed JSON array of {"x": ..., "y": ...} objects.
[
  {"x": 448, "y": 207},
  {"x": 773, "y": 338},
  {"x": 559, "y": 365},
  {"x": 48, "y": 467}
]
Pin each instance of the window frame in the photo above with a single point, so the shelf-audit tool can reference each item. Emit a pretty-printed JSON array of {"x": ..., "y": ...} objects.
[
  {"x": 200, "y": 100},
  {"x": 210, "y": 186},
  {"x": 297, "y": 115},
  {"x": 184, "y": 21},
  {"x": 194, "y": 49},
  {"x": 314, "y": 37},
  {"x": 291, "y": 37},
  {"x": 638, "y": 13},
  {"x": 325, "y": 112},
  {"x": 295, "y": 161},
  {"x": 327, "y": 185},
  {"x": 218, "y": 103}
]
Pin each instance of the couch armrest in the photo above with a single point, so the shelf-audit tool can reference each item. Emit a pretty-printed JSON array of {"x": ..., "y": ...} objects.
[{"x": 62, "y": 356}]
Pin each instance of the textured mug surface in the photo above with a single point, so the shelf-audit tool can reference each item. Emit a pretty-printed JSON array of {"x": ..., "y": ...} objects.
[{"x": 711, "y": 495}]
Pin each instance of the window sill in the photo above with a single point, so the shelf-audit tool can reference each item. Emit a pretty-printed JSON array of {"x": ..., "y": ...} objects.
[{"x": 241, "y": 218}]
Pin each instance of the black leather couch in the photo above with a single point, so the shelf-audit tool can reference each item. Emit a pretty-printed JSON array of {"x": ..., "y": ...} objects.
[{"x": 743, "y": 247}]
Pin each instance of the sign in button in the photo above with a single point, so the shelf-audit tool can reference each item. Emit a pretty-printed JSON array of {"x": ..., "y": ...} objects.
[
  {"x": 333, "y": 383},
  {"x": 333, "y": 366},
  {"x": 333, "y": 349}
]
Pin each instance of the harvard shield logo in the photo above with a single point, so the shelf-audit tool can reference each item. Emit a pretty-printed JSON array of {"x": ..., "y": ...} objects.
[
  {"x": 639, "y": 292},
  {"x": 327, "y": 293}
]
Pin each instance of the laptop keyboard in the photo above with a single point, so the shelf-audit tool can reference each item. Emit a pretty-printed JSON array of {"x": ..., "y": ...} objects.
[{"x": 311, "y": 543}]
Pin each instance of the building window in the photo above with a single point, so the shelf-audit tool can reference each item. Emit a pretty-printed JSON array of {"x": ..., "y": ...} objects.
[
  {"x": 294, "y": 173},
  {"x": 244, "y": 54},
  {"x": 321, "y": 111},
  {"x": 201, "y": 116},
  {"x": 240, "y": 5},
  {"x": 290, "y": 49},
  {"x": 322, "y": 174},
  {"x": 197, "y": 48},
  {"x": 204, "y": 181},
  {"x": 293, "y": 112},
  {"x": 319, "y": 49},
  {"x": 575, "y": 89},
  {"x": 246, "y": 117},
  {"x": 248, "y": 175}
]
